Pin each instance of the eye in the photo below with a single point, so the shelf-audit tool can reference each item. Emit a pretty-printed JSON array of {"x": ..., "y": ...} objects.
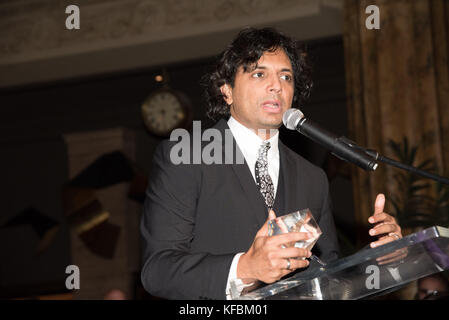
[
  {"x": 257, "y": 75},
  {"x": 287, "y": 77}
]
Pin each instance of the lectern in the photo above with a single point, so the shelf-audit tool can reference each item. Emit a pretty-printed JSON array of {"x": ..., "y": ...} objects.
[{"x": 367, "y": 273}]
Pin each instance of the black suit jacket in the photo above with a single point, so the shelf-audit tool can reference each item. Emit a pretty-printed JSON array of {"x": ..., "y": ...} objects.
[{"x": 197, "y": 217}]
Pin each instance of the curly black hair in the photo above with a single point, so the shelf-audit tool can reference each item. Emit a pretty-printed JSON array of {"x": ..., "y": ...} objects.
[{"x": 245, "y": 50}]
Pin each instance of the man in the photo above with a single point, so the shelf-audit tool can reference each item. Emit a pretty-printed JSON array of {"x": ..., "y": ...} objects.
[{"x": 206, "y": 225}]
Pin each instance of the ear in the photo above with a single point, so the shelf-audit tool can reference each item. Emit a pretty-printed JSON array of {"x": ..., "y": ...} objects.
[{"x": 226, "y": 91}]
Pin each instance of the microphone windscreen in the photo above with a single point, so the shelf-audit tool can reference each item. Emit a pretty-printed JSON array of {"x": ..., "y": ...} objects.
[{"x": 291, "y": 118}]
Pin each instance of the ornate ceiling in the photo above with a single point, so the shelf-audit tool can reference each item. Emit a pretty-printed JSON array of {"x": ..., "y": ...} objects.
[{"x": 128, "y": 34}]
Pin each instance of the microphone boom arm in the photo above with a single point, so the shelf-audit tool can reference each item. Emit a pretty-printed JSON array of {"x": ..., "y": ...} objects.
[
  {"x": 374, "y": 154},
  {"x": 345, "y": 149}
]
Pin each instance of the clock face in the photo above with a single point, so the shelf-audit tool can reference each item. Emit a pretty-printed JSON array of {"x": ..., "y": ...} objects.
[{"x": 162, "y": 112}]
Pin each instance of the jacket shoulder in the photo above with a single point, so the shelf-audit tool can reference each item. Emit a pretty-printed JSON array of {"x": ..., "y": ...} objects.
[{"x": 303, "y": 164}]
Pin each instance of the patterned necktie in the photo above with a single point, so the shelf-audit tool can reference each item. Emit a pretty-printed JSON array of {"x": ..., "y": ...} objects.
[{"x": 263, "y": 179}]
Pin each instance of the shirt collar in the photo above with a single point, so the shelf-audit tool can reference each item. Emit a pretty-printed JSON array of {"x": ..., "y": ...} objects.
[{"x": 247, "y": 140}]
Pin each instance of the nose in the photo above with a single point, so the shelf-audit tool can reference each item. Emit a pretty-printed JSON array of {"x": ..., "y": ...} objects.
[{"x": 274, "y": 85}]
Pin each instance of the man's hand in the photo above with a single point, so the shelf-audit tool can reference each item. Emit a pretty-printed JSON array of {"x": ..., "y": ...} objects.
[
  {"x": 266, "y": 259},
  {"x": 385, "y": 226}
]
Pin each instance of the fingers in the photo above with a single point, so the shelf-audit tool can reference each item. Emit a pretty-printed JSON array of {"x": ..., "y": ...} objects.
[
  {"x": 383, "y": 223},
  {"x": 395, "y": 259},
  {"x": 392, "y": 257},
  {"x": 268, "y": 257},
  {"x": 386, "y": 225},
  {"x": 383, "y": 240},
  {"x": 295, "y": 264},
  {"x": 287, "y": 238},
  {"x": 292, "y": 253},
  {"x": 383, "y": 228},
  {"x": 263, "y": 231},
  {"x": 282, "y": 225},
  {"x": 380, "y": 217},
  {"x": 283, "y": 266},
  {"x": 271, "y": 215},
  {"x": 379, "y": 204}
]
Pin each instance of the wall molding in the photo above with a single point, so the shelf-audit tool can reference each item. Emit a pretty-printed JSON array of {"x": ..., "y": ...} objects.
[{"x": 33, "y": 31}]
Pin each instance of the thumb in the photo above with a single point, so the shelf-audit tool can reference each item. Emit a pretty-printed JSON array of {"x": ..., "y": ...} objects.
[
  {"x": 379, "y": 204},
  {"x": 263, "y": 231}
]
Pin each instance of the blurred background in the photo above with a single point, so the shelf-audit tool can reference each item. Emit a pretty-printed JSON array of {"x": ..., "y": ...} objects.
[{"x": 80, "y": 116}]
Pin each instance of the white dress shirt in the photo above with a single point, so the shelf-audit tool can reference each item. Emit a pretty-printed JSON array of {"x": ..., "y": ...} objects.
[{"x": 249, "y": 143}]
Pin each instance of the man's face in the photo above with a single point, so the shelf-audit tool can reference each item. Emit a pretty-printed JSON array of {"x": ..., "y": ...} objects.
[{"x": 260, "y": 97}]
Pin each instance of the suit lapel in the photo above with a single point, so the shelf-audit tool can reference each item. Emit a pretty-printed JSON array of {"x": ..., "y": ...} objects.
[
  {"x": 255, "y": 198},
  {"x": 280, "y": 199},
  {"x": 290, "y": 191},
  {"x": 256, "y": 203},
  {"x": 290, "y": 195}
]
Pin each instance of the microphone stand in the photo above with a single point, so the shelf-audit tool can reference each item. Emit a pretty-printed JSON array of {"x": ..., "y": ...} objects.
[
  {"x": 378, "y": 157},
  {"x": 375, "y": 155}
]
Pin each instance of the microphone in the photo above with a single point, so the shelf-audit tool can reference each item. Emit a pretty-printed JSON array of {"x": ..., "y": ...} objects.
[{"x": 341, "y": 147}]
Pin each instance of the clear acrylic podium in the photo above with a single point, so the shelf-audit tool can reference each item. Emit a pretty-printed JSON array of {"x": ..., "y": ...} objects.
[{"x": 367, "y": 273}]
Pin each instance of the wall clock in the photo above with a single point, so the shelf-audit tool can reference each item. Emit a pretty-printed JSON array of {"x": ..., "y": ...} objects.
[{"x": 165, "y": 110}]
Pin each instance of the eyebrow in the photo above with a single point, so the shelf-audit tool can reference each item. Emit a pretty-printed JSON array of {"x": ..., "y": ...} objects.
[{"x": 282, "y": 70}]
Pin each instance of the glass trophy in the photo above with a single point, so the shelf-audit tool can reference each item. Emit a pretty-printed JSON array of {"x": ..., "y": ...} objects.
[{"x": 298, "y": 221}]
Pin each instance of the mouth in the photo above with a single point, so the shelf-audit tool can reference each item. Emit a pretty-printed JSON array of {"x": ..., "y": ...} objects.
[{"x": 272, "y": 106}]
